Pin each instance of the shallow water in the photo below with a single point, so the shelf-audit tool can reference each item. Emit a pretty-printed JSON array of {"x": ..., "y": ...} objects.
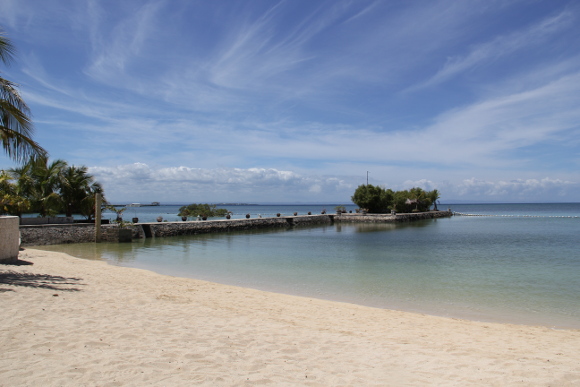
[{"x": 521, "y": 268}]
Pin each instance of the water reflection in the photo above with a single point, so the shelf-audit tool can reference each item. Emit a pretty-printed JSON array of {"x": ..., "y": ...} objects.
[
  {"x": 183, "y": 244},
  {"x": 461, "y": 266}
]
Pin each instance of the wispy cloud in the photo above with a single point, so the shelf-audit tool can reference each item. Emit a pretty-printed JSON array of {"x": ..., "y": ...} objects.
[
  {"x": 115, "y": 49},
  {"x": 306, "y": 96},
  {"x": 513, "y": 121},
  {"x": 484, "y": 133},
  {"x": 501, "y": 46}
]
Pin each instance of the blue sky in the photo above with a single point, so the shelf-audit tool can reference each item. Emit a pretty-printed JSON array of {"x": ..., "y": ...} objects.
[{"x": 294, "y": 101}]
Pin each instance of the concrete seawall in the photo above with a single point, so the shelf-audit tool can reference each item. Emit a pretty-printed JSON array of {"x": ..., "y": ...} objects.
[
  {"x": 54, "y": 234},
  {"x": 85, "y": 233},
  {"x": 164, "y": 229},
  {"x": 46, "y": 220},
  {"x": 389, "y": 218}
]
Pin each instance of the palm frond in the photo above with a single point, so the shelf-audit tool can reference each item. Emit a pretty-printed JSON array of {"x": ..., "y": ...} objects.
[{"x": 7, "y": 50}]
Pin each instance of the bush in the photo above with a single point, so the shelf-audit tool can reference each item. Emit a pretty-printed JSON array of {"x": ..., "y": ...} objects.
[
  {"x": 380, "y": 200},
  {"x": 372, "y": 198},
  {"x": 208, "y": 210}
]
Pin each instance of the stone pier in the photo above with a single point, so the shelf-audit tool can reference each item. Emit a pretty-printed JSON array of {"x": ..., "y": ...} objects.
[{"x": 85, "y": 233}]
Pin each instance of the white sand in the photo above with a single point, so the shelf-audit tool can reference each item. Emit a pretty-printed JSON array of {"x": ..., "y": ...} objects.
[{"x": 72, "y": 322}]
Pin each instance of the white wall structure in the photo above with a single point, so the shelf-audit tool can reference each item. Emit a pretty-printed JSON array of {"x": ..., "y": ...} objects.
[{"x": 9, "y": 238}]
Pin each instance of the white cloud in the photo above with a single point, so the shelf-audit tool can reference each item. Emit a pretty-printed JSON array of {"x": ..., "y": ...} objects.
[
  {"x": 140, "y": 182},
  {"x": 426, "y": 184},
  {"x": 546, "y": 189}
]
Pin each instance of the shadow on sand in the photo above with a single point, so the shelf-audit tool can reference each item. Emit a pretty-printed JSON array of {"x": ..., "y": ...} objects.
[{"x": 42, "y": 281}]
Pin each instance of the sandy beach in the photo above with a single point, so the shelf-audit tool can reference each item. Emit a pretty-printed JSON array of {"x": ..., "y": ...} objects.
[{"x": 72, "y": 322}]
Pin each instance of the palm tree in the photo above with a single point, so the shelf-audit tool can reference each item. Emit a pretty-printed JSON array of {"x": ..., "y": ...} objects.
[
  {"x": 15, "y": 125},
  {"x": 49, "y": 188},
  {"x": 434, "y": 196},
  {"x": 6, "y": 192},
  {"x": 417, "y": 197},
  {"x": 44, "y": 184},
  {"x": 77, "y": 187},
  {"x": 13, "y": 197},
  {"x": 88, "y": 203}
]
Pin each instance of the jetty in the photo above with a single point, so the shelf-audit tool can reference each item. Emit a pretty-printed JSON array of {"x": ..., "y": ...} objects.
[{"x": 47, "y": 234}]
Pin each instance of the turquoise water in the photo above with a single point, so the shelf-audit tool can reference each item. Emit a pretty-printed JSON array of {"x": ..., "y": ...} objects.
[{"x": 518, "y": 263}]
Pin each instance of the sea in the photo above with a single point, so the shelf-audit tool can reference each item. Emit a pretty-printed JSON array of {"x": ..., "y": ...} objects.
[{"x": 509, "y": 263}]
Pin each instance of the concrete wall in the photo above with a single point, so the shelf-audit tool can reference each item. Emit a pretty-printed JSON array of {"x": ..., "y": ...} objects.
[
  {"x": 83, "y": 233},
  {"x": 164, "y": 229},
  {"x": 46, "y": 220},
  {"x": 53, "y": 234},
  {"x": 9, "y": 238},
  {"x": 388, "y": 218}
]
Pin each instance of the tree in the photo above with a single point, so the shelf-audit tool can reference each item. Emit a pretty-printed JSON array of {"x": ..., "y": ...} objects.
[
  {"x": 11, "y": 199},
  {"x": 372, "y": 198},
  {"x": 6, "y": 192},
  {"x": 51, "y": 188},
  {"x": 434, "y": 196},
  {"x": 420, "y": 198},
  {"x": 414, "y": 200},
  {"x": 47, "y": 181},
  {"x": 16, "y": 127},
  {"x": 380, "y": 200},
  {"x": 22, "y": 188},
  {"x": 208, "y": 210},
  {"x": 400, "y": 203},
  {"x": 77, "y": 190}
]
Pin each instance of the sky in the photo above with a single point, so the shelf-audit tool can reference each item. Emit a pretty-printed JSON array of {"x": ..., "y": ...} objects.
[{"x": 264, "y": 101}]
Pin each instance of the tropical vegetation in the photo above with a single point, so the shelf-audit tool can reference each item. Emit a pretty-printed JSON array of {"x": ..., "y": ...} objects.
[
  {"x": 16, "y": 127},
  {"x": 48, "y": 188},
  {"x": 207, "y": 210},
  {"x": 377, "y": 199}
]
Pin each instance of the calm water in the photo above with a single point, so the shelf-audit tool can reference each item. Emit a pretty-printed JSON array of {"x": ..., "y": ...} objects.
[
  {"x": 169, "y": 213},
  {"x": 519, "y": 263}
]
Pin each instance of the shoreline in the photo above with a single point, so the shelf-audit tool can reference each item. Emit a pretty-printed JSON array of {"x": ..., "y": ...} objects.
[
  {"x": 68, "y": 320},
  {"x": 445, "y": 310},
  {"x": 496, "y": 318}
]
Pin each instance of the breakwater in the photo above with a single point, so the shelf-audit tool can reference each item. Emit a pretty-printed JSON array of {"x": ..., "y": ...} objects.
[
  {"x": 85, "y": 233},
  {"x": 391, "y": 218},
  {"x": 166, "y": 229},
  {"x": 54, "y": 234}
]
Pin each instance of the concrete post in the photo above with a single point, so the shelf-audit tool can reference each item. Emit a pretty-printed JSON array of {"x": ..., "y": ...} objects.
[
  {"x": 98, "y": 203},
  {"x": 9, "y": 238}
]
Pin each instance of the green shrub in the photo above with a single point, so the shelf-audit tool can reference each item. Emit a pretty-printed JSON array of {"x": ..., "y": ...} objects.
[
  {"x": 209, "y": 210},
  {"x": 376, "y": 199}
]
